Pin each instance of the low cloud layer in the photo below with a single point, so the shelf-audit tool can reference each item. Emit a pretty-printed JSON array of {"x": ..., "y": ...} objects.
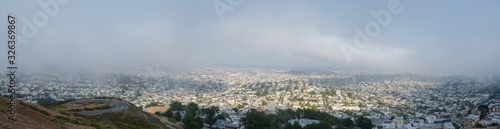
[{"x": 295, "y": 33}]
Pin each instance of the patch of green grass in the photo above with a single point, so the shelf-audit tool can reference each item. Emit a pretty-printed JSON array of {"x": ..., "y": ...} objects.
[
  {"x": 132, "y": 118},
  {"x": 76, "y": 110},
  {"x": 153, "y": 104},
  {"x": 41, "y": 111},
  {"x": 87, "y": 122},
  {"x": 107, "y": 106},
  {"x": 64, "y": 113},
  {"x": 22, "y": 103},
  {"x": 56, "y": 106},
  {"x": 100, "y": 124},
  {"x": 88, "y": 109},
  {"x": 35, "y": 108},
  {"x": 168, "y": 118},
  {"x": 69, "y": 120}
]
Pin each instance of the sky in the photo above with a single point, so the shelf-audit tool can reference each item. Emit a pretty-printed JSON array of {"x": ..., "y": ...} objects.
[{"x": 457, "y": 37}]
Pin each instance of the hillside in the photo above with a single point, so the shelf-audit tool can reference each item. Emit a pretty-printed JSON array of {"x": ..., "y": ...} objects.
[
  {"x": 60, "y": 116},
  {"x": 28, "y": 118}
]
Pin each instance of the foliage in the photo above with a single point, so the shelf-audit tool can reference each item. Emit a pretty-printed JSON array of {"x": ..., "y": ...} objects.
[
  {"x": 169, "y": 113},
  {"x": 64, "y": 113},
  {"x": 107, "y": 106},
  {"x": 256, "y": 120},
  {"x": 152, "y": 104},
  {"x": 296, "y": 126},
  {"x": 35, "y": 108},
  {"x": 43, "y": 101},
  {"x": 340, "y": 127},
  {"x": 76, "y": 109},
  {"x": 260, "y": 120},
  {"x": 176, "y": 106},
  {"x": 478, "y": 125},
  {"x": 69, "y": 120},
  {"x": 192, "y": 122},
  {"x": 364, "y": 123},
  {"x": 347, "y": 123},
  {"x": 132, "y": 118},
  {"x": 191, "y": 108},
  {"x": 56, "y": 106},
  {"x": 484, "y": 110},
  {"x": 178, "y": 116},
  {"x": 321, "y": 125},
  {"x": 210, "y": 115}
]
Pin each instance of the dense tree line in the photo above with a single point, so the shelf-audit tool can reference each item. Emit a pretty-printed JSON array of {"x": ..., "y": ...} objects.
[
  {"x": 152, "y": 104},
  {"x": 191, "y": 119},
  {"x": 260, "y": 120}
]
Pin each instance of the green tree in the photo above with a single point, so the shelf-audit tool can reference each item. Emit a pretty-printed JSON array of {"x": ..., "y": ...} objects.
[
  {"x": 169, "y": 113},
  {"x": 178, "y": 116},
  {"x": 176, "y": 106},
  {"x": 340, "y": 127},
  {"x": 191, "y": 109},
  {"x": 484, "y": 110},
  {"x": 256, "y": 120},
  {"x": 348, "y": 112},
  {"x": 192, "y": 122},
  {"x": 296, "y": 126},
  {"x": 210, "y": 113},
  {"x": 220, "y": 117},
  {"x": 152, "y": 104},
  {"x": 321, "y": 125},
  {"x": 347, "y": 123},
  {"x": 364, "y": 123}
]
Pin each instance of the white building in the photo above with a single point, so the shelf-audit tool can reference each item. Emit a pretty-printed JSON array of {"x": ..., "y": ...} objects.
[
  {"x": 303, "y": 122},
  {"x": 353, "y": 108}
]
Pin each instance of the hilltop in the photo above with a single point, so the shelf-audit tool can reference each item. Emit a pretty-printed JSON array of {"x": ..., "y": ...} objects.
[{"x": 60, "y": 116}]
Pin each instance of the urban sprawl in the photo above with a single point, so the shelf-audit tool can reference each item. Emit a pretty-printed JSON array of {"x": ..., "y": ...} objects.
[{"x": 389, "y": 100}]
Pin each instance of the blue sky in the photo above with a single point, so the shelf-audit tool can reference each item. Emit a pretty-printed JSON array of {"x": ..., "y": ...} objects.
[{"x": 425, "y": 36}]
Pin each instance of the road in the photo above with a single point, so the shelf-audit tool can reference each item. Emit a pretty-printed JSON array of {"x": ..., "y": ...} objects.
[{"x": 119, "y": 105}]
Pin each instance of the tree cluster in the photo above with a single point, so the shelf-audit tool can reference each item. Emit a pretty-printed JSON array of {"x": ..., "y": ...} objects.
[{"x": 260, "y": 120}]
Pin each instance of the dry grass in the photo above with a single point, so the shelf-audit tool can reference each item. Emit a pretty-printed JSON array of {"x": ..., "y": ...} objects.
[{"x": 154, "y": 109}]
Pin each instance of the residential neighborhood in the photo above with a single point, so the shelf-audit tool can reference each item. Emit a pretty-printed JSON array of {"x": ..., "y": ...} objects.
[{"x": 389, "y": 100}]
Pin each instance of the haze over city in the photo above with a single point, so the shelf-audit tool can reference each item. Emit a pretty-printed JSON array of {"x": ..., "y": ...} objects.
[
  {"x": 418, "y": 36},
  {"x": 250, "y": 64}
]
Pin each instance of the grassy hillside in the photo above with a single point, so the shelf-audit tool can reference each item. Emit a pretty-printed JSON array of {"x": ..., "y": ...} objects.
[
  {"x": 60, "y": 116},
  {"x": 132, "y": 118}
]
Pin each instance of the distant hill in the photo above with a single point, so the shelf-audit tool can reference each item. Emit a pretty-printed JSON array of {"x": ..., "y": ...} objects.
[{"x": 58, "y": 116}]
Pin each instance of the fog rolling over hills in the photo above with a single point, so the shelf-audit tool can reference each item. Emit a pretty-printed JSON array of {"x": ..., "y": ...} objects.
[{"x": 391, "y": 35}]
